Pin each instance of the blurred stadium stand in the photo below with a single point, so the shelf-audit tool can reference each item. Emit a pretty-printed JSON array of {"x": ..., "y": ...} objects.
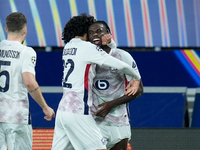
[{"x": 134, "y": 23}]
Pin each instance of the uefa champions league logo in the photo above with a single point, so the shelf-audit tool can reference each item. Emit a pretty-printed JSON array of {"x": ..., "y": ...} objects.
[
  {"x": 99, "y": 49},
  {"x": 33, "y": 60}
]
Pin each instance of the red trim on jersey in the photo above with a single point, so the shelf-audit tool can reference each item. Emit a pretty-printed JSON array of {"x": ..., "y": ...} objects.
[
  {"x": 86, "y": 76},
  {"x": 85, "y": 98},
  {"x": 126, "y": 82}
]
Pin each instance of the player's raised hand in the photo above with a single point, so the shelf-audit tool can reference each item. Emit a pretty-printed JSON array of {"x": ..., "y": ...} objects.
[
  {"x": 132, "y": 87},
  {"x": 49, "y": 112},
  {"x": 106, "y": 39}
]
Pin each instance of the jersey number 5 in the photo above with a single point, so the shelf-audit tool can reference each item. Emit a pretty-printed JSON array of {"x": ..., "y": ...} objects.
[{"x": 6, "y": 74}]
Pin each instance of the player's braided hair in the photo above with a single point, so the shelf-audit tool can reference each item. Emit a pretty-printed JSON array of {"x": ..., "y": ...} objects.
[
  {"x": 77, "y": 26},
  {"x": 105, "y": 24}
]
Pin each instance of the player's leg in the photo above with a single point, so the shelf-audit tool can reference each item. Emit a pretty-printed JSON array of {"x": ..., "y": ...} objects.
[
  {"x": 60, "y": 139},
  {"x": 119, "y": 137},
  {"x": 4, "y": 147},
  {"x": 83, "y": 132},
  {"x": 18, "y": 136},
  {"x": 2, "y": 138},
  {"x": 105, "y": 131},
  {"x": 122, "y": 145}
]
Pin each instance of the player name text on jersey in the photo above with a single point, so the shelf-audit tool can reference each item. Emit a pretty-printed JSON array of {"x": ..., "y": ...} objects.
[
  {"x": 9, "y": 54},
  {"x": 70, "y": 51}
]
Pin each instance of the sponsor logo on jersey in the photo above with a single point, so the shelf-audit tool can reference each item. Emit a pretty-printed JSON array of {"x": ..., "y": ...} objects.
[
  {"x": 9, "y": 54},
  {"x": 70, "y": 51}
]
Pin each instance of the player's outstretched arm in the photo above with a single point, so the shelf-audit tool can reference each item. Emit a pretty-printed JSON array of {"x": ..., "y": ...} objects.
[
  {"x": 123, "y": 67},
  {"x": 106, "y": 107},
  {"x": 36, "y": 94}
]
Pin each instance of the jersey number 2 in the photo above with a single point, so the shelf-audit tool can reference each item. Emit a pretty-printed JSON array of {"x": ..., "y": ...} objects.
[
  {"x": 6, "y": 74},
  {"x": 71, "y": 68}
]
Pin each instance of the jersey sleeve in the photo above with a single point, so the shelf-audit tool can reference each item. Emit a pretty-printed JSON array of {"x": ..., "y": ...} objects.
[
  {"x": 100, "y": 57},
  {"x": 29, "y": 61},
  {"x": 123, "y": 67},
  {"x": 96, "y": 55},
  {"x": 127, "y": 58},
  {"x": 112, "y": 44}
]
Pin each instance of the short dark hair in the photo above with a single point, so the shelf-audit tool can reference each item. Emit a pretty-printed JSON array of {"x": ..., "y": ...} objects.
[
  {"x": 15, "y": 22},
  {"x": 105, "y": 24},
  {"x": 77, "y": 26}
]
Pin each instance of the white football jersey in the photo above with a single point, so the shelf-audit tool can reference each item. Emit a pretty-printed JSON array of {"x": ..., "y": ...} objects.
[
  {"x": 15, "y": 59},
  {"x": 79, "y": 59},
  {"x": 109, "y": 84}
]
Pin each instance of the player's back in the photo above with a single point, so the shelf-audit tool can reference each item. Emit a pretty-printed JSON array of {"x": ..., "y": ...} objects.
[
  {"x": 11, "y": 66},
  {"x": 78, "y": 59},
  {"x": 75, "y": 65},
  {"x": 78, "y": 55},
  {"x": 13, "y": 91}
]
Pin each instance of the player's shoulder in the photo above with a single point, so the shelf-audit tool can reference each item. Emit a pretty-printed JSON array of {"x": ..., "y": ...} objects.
[
  {"x": 2, "y": 42},
  {"x": 93, "y": 46},
  {"x": 122, "y": 52},
  {"x": 28, "y": 50},
  {"x": 88, "y": 43}
]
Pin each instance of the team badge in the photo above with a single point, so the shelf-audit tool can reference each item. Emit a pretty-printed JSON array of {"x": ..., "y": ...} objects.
[{"x": 112, "y": 69}]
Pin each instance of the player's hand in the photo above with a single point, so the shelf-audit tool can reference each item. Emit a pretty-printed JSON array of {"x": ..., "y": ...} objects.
[
  {"x": 106, "y": 39},
  {"x": 49, "y": 112},
  {"x": 103, "y": 109},
  {"x": 132, "y": 87}
]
